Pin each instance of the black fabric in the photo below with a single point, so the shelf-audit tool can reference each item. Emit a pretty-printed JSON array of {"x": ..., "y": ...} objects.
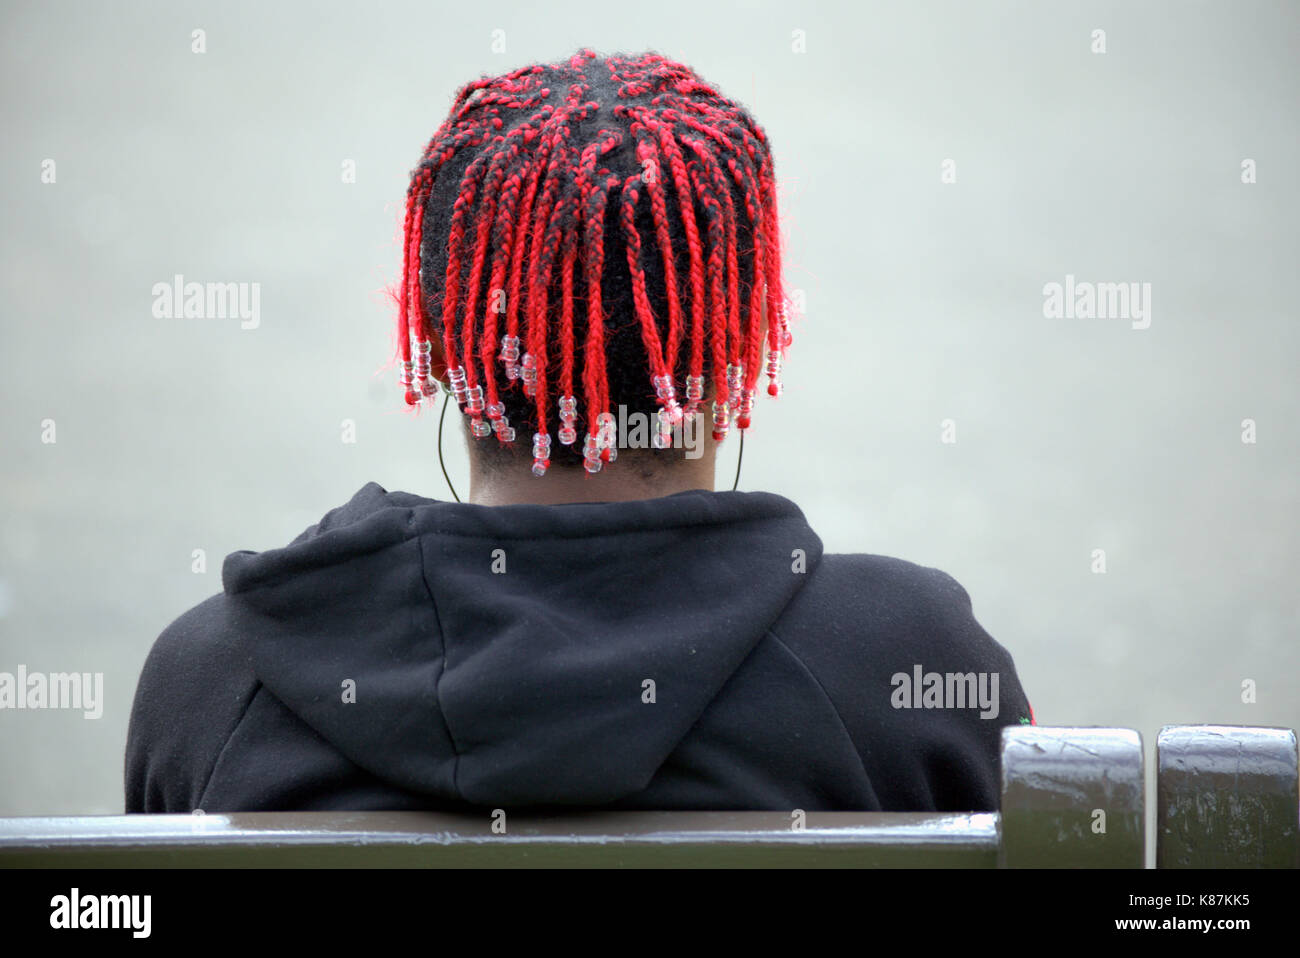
[{"x": 501, "y": 657}]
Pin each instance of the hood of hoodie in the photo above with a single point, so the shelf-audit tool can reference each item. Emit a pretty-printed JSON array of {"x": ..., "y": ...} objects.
[{"x": 522, "y": 654}]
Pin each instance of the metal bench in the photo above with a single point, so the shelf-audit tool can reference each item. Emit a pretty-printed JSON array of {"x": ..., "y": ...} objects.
[{"x": 1228, "y": 796}]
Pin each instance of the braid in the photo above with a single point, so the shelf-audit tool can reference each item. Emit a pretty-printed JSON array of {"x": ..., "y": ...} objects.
[
  {"x": 594, "y": 380},
  {"x": 648, "y": 153},
  {"x": 502, "y": 195},
  {"x": 715, "y": 232}
]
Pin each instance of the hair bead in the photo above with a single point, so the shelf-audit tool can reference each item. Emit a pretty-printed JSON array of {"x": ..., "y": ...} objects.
[
  {"x": 510, "y": 356},
  {"x": 668, "y": 399},
  {"x": 735, "y": 385},
  {"x": 424, "y": 380},
  {"x": 721, "y": 420},
  {"x": 541, "y": 453},
  {"x": 456, "y": 376},
  {"x": 591, "y": 458},
  {"x": 474, "y": 400},
  {"x": 568, "y": 434},
  {"x": 407, "y": 379},
  {"x": 745, "y": 413},
  {"x": 529, "y": 374},
  {"x": 773, "y": 371}
]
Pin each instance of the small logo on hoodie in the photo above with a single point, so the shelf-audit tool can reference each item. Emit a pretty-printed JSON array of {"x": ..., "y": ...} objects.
[{"x": 946, "y": 690}]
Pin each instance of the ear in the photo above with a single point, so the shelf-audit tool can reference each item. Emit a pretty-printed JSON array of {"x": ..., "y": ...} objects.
[{"x": 437, "y": 360}]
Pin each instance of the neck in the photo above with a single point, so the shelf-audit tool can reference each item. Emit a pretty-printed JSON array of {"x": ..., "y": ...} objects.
[{"x": 626, "y": 479}]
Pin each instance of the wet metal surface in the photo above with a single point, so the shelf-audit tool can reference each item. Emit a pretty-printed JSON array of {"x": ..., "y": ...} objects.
[
  {"x": 1072, "y": 798},
  {"x": 1228, "y": 797},
  {"x": 612, "y": 839}
]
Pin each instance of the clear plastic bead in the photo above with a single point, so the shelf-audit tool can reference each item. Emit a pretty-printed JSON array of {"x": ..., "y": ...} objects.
[
  {"x": 474, "y": 403},
  {"x": 510, "y": 355},
  {"x": 529, "y": 373},
  {"x": 721, "y": 419},
  {"x": 411, "y": 394},
  {"x": 783, "y": 335},
  {"x": 668, "y": 398},
  {"x": 735, "y": 384},
  {"x": 541, "y": 453},
  {"x": 694, "y": 394},
  {"x": 773, "y": 370},
  {"x": 607, "y": 438},
  {"x": 480, "y": 429},
  {"x": 568, "y": 435},
  {"x": 745, "y": 414},
  {"x": 663, "y": 437},
  {"x": 456, "y": 376},
  {"x": 422, "y": 360},
  {"x": 591, "y": 460}
]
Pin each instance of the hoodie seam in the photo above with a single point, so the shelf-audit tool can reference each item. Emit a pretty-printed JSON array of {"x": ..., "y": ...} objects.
[
  {"x": 829, "y": 701},
  {"x": 442, "y": 665},
  {"x": 225, "y": 746}
]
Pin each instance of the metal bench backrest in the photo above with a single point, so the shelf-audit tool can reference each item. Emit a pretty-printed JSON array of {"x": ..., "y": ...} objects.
[{"x": 1071, "y": 797}]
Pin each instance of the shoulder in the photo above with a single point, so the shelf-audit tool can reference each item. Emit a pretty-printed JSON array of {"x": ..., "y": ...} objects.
[
  {"x": 875, "y": 595},
  {"x": 194, "y": 638},
  {"x": 870, "y": 627},
  {"x": 194, "y": 686},
  {"x": 880, "y": 609}
]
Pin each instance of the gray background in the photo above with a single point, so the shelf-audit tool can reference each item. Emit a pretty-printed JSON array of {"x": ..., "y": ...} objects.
[{"x": 924, "y": 302}]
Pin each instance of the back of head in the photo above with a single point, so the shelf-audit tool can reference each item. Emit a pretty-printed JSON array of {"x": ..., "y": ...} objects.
[{"x": 588, "y": 235}]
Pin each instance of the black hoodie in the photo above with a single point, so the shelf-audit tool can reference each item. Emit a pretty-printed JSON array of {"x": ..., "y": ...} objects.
[{"x": 696, "y": 651}]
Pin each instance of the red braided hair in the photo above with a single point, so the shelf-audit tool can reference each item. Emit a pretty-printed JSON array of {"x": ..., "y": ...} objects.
[{"x": 524, "y": 220}]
